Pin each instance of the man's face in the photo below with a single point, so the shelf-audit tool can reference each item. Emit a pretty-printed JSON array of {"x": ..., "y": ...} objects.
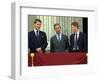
[
  {"x": 74, "y": 28},
  {"x": 57, "y": 29},
  {"x": 37, "y": 25}
]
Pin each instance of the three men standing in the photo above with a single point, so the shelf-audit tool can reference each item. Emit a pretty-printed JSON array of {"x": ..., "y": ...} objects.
[{"x": 37, "y": 40}]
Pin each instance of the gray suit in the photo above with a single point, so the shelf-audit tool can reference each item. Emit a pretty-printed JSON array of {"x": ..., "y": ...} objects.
[{"x": 59, "y": 46}]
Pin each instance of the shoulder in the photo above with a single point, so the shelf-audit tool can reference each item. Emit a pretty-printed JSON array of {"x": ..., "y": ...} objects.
[
  {"x": 53, "y": 36},
  {"x": 42, "y": 32},
  {"x": 65, "y": 36},
  {"x": 82, "y": 33},
  {"x": 30, "y": 32},
  {"x": 72, "y": 35}
]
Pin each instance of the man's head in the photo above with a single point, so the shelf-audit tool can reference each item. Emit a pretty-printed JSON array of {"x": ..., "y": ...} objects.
[
  {"x": 37, "y": 24},
  {"x": 75, "y": 26},
  {"x": 57, "y": 28}
]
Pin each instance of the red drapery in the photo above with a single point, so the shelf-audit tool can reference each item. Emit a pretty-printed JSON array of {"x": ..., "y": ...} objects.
[{"x": 45, "y": 59}]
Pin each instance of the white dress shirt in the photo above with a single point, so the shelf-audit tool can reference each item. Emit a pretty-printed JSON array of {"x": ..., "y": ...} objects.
[
  {"x": 36, "y": 32},
  {"x": 60, "y": 34},
  {"x": 77, "y": 35}
]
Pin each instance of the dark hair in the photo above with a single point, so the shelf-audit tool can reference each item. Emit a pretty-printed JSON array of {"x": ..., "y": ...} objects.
[
  {"x": 57, "y": 24},
  {"x": 75, "y": 24},
  {"x": 37, "y": 20}
]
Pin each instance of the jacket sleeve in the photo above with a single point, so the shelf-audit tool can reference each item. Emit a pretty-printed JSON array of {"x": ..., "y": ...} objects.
[
  {"x": 51, "y": 45},
  {"x": 30, "y": 46},
  {"x": 29, "y": 40},
  {"x": 85, "y": 43},
  {"x": 67, "y": 43}
]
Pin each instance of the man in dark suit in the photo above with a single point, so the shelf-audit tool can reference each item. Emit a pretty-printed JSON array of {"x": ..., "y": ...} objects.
[
  {"x": 77, "y": 39},
  {"x": 37, "y": 40},
  {"x": 59, "y": 42}
]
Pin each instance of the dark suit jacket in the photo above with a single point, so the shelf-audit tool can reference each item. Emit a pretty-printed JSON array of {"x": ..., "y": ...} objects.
[
  {"x": 56, "y": 46},
  {"x": 81, "y": 42},
  {"x": 34, "y": 42}
]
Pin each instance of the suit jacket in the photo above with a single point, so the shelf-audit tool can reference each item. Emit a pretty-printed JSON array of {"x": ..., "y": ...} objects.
[
  {"x": 34, "y": 42},
  {"x": 81, "y": 42},
  {"x": 56, "y": 46}
]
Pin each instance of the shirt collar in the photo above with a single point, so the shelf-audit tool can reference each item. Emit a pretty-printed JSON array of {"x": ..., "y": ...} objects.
[
  {"x": 77, "y": 33},
  {"x": 36, "y": 30},
  {"x": 59, "y": 34}
]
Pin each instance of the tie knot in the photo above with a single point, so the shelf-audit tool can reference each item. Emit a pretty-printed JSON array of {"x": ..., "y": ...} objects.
[
  {"x": 75, "y": 33},
  {"x": 37, "y": 33},
  {"x": 58, "y": 34}
]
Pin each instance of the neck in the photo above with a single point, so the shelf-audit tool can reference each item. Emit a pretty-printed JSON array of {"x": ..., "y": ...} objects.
[{"x": 36, "y": 29}]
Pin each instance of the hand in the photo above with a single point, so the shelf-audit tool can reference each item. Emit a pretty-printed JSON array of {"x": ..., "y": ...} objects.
[{"x": 39, "y": 50}]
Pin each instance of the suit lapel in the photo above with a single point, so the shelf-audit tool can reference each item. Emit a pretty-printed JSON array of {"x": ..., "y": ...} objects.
[
  {"x": 62, "y": 37},
  {"x": 73, "y": 37},
  {"x": 40, "y": 35},
  {"x": 34, "y": 37},
  {"x": 55, "y": 37},
  {"x": 33, "y": 34}
]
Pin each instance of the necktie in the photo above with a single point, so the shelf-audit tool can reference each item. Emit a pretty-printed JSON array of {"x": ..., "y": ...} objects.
[
  {"x": 59, "y": 37},
  {"x": 37, "y": 34},
  {"x": 75, "y": 41}
]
